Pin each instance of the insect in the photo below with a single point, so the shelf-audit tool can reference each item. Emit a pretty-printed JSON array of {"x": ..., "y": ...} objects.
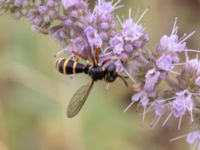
[{"x": 96, "y": 71}]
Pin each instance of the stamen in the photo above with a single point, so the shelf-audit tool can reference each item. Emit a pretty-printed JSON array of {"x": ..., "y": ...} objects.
[
  {"x": 150, "y": 108},
  {"x": 160, "y": 101},
  {"x": 184, "y": 35},
  {"x": 123, "y": 18},
  {"x": 174, "y": 29},
  {"x": 186, "y": 55},
  {"x": 127, "y": 73},
  {"x": 129, "y": 13},
  {"x": 192, "y": 50},
  {"x": 120, "y": 6},
  {"x": 156, "y": 122},
  {"x": 107, "y": 86},
  {"x": 136, "y": 14},
  {"x": 178, "y": 138},
  {"x": 129, "y": 106},
  {"x": 143, "y": 115},
  {"x": 116, "y": 3},
  {"x": 143, "y": 14},
  {"x": 167, "y": 119},
  {"x": 195, "y": 145},
  {"x": 187, "y": 37},
  {"x": 119, "y": 20},
  {"x": 175, "y": 72},
  {"x": 191, "y": 116},
  {"x": 167, "y": 99},
  {"x": 178, "y": 64},
  {"x": 179, "y": 124}
]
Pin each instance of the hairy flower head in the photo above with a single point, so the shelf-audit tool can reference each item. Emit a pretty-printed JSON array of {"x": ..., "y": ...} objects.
[
  {"x": 189, "y": 77},
  {"x": 182, "y": 103}
]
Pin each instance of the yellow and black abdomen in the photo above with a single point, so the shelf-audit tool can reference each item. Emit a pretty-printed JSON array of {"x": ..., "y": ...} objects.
[{"x": 68, "y": 66}]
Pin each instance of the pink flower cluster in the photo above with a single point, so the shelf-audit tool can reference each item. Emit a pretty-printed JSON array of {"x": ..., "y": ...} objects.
[{"x": 123, "y": 41}]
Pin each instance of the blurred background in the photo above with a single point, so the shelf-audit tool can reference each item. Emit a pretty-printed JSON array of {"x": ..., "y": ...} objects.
[{"x": 34, "y": 96}]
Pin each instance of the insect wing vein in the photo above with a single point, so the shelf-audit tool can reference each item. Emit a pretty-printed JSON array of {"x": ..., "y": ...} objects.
[
  {"x": 78, "y": 100},
  {"x": 88, "y": 49}
]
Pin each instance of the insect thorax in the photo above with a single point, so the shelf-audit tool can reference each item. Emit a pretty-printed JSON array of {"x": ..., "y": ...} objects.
[{"x": 97, "y": 73}]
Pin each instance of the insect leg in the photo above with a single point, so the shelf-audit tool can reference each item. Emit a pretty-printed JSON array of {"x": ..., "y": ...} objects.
[
  {"x": 123, "y": 79},
  {"x": 97, "y": 49},
  {"x": 79, "y": 55},
  {"x": 115, "y": 58}
]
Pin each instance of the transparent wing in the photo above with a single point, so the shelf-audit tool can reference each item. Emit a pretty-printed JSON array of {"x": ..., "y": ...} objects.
[
  {"x": 87, "y": 48},
  {"x": 78, "y": 100}
]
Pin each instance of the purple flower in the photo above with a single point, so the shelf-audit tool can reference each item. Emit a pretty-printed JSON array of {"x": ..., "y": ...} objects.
[
  {"x": 152, "y": 77},
  {"x": 133, "y": 34},
  {"x": 104, "y": 36},
  {"x": 190, "y": 75},
  {"x": 197, "y": 81},
  {"x": 128, "y": 48},
  {"x": 58, "y": 33},
  {"x": 163, "y": 75},
  {"x": 70, "y": 3},
  {"x": 68, "y": 22},
  {"x": 93, "y": 36},
  {"x": 44, "y": 13},
  {"x": 79, "y": 44},
  {"x": 158, "y": 108},
  {"x": 118, "y": 44},
  {"x": 105, "y": 7},
  {"x": 193, "y": 138},
  {"x": 165, "y": 63},
  {"x": 43, "y": 10},
  {"x": 182, "y": 103},
  {"x": 104, "y": 25},
  {"x": 18, "y": 2},
  {"x": 130, "y": 38},
  {"x": 172, "y": 44},
  {"x": 103, "y": 18},
  {"x": 132, "y": 31},
  {"x": 193, "y": 65},
  {"x": 119, "y": 66},
  {"x": 143, "y": 99}
]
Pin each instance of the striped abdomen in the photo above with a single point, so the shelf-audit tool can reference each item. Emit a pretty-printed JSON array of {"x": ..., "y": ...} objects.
[{"x": 68, "y": 66}]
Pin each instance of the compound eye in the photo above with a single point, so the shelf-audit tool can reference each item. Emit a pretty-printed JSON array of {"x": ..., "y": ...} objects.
[{"x": 111, "y": 68}]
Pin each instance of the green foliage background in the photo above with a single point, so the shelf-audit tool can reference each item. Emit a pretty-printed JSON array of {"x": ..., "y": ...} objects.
[{"x": 34, "y": 96}]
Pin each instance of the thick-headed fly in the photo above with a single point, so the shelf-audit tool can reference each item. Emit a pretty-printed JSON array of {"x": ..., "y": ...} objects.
[{"x": 96, "y": 71}]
